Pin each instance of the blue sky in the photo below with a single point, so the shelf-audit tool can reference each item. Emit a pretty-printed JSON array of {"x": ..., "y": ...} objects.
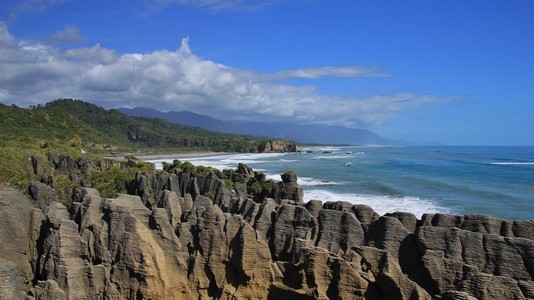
[{"x": 456, "y": 72}]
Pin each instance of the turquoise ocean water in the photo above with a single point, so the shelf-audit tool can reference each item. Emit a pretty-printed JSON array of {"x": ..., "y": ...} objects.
[{"x": 498, "y": 181}]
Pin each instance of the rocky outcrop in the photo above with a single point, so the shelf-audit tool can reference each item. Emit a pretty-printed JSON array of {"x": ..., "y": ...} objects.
[
  {"x": 288, "y": 188},
  {"x": 17, "y": 235},
  {"x": 278, "y": 146},
  {"x": 42, "y": 194},
  {"x": 193, "y": 236}
]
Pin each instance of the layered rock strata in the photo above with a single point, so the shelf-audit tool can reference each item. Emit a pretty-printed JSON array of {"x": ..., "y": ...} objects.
[{"x": 182, "y": 236}]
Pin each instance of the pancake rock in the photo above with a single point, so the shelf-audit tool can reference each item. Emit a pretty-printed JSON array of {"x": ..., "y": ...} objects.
[{"x": 193, "y": 236}]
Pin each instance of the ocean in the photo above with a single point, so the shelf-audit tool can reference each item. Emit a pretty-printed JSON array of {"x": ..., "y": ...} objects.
[{"x": 497, "y": 181}]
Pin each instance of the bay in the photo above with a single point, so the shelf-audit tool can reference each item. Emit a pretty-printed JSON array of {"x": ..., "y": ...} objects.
[{"x": 497, "y": 181}]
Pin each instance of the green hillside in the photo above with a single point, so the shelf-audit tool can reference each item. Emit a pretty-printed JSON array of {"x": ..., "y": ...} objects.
[
  {"x": 85, "y": 132},
  {"x": 99, "y": 130}
]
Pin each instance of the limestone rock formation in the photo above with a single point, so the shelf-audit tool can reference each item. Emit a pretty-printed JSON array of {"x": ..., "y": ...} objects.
[
  {"x": 17, "y": 239},
  {"x": 288, "y": 188},
  {"x": 10, "y": 284},
  {"x": 279, "y": 146},
  {"x": 192, "y": 236}
]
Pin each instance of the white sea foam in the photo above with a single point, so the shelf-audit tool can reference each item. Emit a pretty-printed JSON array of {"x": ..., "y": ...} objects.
[
  {"x": 251, "y": 159},
  {"x": 211, "y": 161},
  {"x": 323, "y": 149},
  {"x": 526, "y": 163},
  {"x": 288, "y": 160},
  {"x": 244, "y": 161},
  {"x": 158, "y": 163},
  {"x": 307, "y": 181},
  {"x": 273, "y": 177},
  {"x": 381, "y": 204},
  {"x": 331, "y": 157},
  {"x": 221, "y": 162},
  {"x": 304, "y": 181},
  {"x": 255, "y": 156}
]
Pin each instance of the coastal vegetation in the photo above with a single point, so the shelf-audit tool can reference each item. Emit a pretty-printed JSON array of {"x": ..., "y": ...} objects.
[
  {"x": 85, "y": 131},
  {"x": 102, "y": 131}
]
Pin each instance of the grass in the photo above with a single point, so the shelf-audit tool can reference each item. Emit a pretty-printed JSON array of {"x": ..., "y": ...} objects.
[{"x": 16, "y": 168}]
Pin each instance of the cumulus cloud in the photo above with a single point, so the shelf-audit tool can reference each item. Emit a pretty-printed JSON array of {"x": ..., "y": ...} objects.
[
  {"x": 68, "y": 35},
  {"x": 95, "y": 54},
  {"x": 6, "y": 39},
  {"x": 180, "y": 80}
]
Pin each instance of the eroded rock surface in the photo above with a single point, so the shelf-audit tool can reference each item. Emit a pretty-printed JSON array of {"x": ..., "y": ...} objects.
[{"x": 181, "y": 236}]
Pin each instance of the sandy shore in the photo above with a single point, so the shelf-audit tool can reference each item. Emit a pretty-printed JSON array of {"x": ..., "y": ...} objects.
[{"x": 181, "y": 155}]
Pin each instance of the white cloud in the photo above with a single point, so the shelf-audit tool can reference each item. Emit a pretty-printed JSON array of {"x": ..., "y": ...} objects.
[
  {"x": 68, "y": 35},
  {"x": 6, "y": 39},
  {"x": 315, "y": 73},
  {"x": 95, "y": 54},
  {"x": 214, "y": 5},
  {"x": 37, "y": 5},
  {"x": 180, "y": 80}
]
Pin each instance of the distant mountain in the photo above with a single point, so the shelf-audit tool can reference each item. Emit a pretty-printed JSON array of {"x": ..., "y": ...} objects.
[
  {"x": 180, "y": 117},
  {"x": 300, "y": 133}
]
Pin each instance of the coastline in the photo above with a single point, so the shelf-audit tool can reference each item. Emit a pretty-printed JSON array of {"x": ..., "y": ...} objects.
[
  {"x": 331, "y": 236},
  {"x": 372, "y": 177},
  {"x": 181, "y": 155},
  {"x": 165, "y": 156}
]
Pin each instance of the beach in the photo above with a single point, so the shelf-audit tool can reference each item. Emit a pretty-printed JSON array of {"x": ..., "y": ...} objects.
[{"x": 180, "y": 155}]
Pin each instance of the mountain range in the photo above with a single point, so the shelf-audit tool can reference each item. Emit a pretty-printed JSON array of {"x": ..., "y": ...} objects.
[{"x": 300, "y": 133}]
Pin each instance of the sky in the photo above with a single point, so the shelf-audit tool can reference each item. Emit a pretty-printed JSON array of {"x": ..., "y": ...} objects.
[{"x": 454, "y": 72}]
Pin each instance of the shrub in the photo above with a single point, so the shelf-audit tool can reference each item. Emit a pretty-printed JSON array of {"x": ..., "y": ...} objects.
[
  {"x": 112, "y": 181},
  {"x": 188, "y": 167},
  {"x": 268, "y": 186},
  {"x": 229, "y": 184}
]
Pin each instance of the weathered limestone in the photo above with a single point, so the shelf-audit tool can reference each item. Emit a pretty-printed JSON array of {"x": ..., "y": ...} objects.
[
  {"x": 288, "y": 188},
  {"x": 17, "y": 240},
  {"x": 184, "y": 236},
  {"x": 10, "y": 284}
]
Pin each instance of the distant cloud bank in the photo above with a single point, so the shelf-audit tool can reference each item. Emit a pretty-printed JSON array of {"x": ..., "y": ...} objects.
[{"x": 38, "y": 72}]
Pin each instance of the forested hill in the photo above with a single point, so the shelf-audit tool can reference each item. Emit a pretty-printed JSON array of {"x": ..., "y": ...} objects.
[{"x": 96, "y": 129}]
